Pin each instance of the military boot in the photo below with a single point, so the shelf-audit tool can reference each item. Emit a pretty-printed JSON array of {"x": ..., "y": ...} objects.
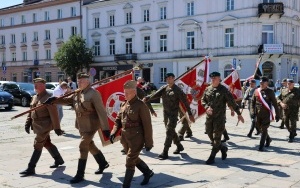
[
  {"x": 80, "y": 171},
  {"x": 188, "y": 135},
  {"x": 251, "y": 130},
  {"x": 291, "y": 137},
  {"x": 128, "y": 178},
  {"x": 164, "y": 154},
  {"x": 211, "y": 159},
  {"x": 226, "y": 137},
  {"x": 268, "y": 141},
  {"x": 224, "y": 150},
  {"x": 180, "y": 137},
  {"x": 257, "y": 131},
  {"x": 179, "y": 148},
  {"x": 262, "y": 141},
  {"x": 103, "y": 164},
  {"x": 143, "y": 167},
  {"x": 32, "y": 163},
  {"x": 282, "y": 125},
  {"x": 56, "y": 156}
]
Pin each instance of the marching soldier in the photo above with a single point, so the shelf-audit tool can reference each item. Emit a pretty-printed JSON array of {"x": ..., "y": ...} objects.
[
  {"x": 284, "y": 85},
  {"x": 42, "y": 121},
  {"x": 214, "y": 101},
  {"x": 184, "y": 128},
  {"x": 288, "y": 99},
  {"x": 171, "y": 95},
  {"x": 135, "y": 121},
  {"x": 247, "y": 97},
  {"x": 261, "y": 109},
  {"x": 90, "y": 117}
]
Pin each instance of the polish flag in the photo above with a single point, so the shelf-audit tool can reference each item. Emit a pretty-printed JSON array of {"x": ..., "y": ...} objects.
[{"x": 233, "y": 84}]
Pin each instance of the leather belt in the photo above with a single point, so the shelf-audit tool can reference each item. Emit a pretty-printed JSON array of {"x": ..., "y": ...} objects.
[
  {"x": 86, "y": 113},
  {"x": 130, "y": 125}
]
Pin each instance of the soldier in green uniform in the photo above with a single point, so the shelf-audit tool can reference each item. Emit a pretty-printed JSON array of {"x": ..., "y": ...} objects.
[
  {"x": 42, "y": 121},
  {"x": 184, "y": 128},
  {"x": 135, "y": 121},
  {"x": 284, "y": 85},
  {"x": 171, "y": 95},
  {"x": 90, "y": 117},
  {"x": 261, "y": 109},
  {"x": 288, "y": 99},
  {"x": 214, "y": 101}
]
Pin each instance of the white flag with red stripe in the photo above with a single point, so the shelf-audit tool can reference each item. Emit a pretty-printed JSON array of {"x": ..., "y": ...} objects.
[{"x": 233, "y": 84}]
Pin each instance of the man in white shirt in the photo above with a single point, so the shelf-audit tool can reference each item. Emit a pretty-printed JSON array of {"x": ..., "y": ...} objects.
[
  {"x": 59, "y": 91},
  {"x": 72, "y": 84}
]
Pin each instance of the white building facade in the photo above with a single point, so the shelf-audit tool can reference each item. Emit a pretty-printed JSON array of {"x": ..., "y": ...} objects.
[
  {"x": 31, "y": 33},
  {"x": 172, "y": 36}
]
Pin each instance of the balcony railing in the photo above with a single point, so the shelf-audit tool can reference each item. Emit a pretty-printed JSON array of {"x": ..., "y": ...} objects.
[
  {"x": 270, "y": 8},
  {"x": 124, "y": 57}
]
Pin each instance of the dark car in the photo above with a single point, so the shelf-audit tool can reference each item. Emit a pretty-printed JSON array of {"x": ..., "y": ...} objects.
[
  {"x": 6, "y": 100},
  {"x": 21, "y": 91}
]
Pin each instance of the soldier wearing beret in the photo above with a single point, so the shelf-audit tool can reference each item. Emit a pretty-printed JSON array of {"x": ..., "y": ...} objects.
[
  {"x": 261, "y": 105},
  {"x": 284, "y": 85},
  {"x": 288, "y": 99},
  {"x": 42, "y": 121},
  {"x": 214, "y": 101},
  {"x": 135, "y": 121},
  {"x": 171, "y": 95},
  {"x": 90, "y": 117},
  {"x": 247, "y": 97}
]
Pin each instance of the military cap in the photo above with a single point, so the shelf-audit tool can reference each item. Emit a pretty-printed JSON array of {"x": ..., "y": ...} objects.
[
  {"x": 214, "y": 74},
  {"x": 169, "y": 74},
  {"x": 39, "y": 80},
  {"x": 284, "y": 80},
  {"x": 290, "y": 80},
  {"x": 264, "y": 79},
  {"x": 130, "y": 84},
  {"x": 82, "y": 75},
  {"x": 253, "y": 81}
]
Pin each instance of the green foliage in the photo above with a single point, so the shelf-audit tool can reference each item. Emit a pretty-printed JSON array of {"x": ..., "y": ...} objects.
[{"x": 74, "y": 56}]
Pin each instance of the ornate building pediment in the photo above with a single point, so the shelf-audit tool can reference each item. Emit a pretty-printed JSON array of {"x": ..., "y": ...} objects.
[
  {"x": 189, "y": 22},
  {"x": 228, "y": 18},
  {"x": 111, "y": 32},
  {"x": 162, "y": 26},
  {"x": 146, "y": 28},
  {"x": 128, "y": 6},
  {"x": 96, "y": 34},
  {"x": 127, "y": 30}
]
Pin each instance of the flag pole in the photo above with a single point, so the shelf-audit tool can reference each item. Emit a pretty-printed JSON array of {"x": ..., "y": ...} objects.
[{"x": 103, "y": 81}]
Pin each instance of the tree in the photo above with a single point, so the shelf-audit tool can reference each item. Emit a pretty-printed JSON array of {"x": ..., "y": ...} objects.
[{"x": 74, "y": 56}]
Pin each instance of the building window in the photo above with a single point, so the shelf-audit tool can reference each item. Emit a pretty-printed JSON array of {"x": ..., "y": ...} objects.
[
  {"x": 128, "y": 18},
  {"x": 14, "y": 77},
  {"x": 112, "y": 47},
  {"x": 13, "y": 56},
  {"x": 24, "y": 37},
  {"x": 129, "y": 46},
  {"x": 23, "y": 21},
  {"x": 230, "y": 5},
  {"x": 163, "y": 13},
  {"x": 267, "y": 34},
  {"x": 147, "y": 44},
  {"x": 293, "y": 36},
  {"x": 163, "y": 43},
  {"x": 2, "y": 39},
  {"x": 146, "y": 15},
  {"x": 35, "y": 55},
  {"x": 96, "y": 22},
  {"x": 12, "y": 21},
  {"x": 47, "y": 34},
  {"x": 112, "y": 20},
  {"x": 1, "y": 22},
  {"x": 24, "y": 55},
  {"x": 73, "y": 11},
  {"x": 60, "y": 33},
  {"x": 3, "y": 57},
  {"x": 163, "y": 72},
  {"x": 229, "y": 37},
  {"x": 190, "y": 8},
  {"x": 35, "y": 36},
  {"x": 268, "y": 1},
  {"x": 13, "y": 38},
  {"x": 34, "y": 17},
  {"x": 48, "y": 77},
  {"x": 48, "y": 54},
  {"x": 97, "y": 48},
  {"x": 59, "y": 13},
  {"x": 73, "y": 30},
  {"x": 190, "y": 40},
  {"x": 60, "y": 76},
  {"x": 47, "y": 17}
]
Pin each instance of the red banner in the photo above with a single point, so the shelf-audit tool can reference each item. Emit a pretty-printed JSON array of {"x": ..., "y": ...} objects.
[
  {"x": 193, "y": 83},
  {"x": 112, "y": 96},
  {"x": 233, "y": 84}
]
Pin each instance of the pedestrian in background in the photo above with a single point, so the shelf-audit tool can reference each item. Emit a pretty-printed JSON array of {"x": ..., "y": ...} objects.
[{"x": 59, "y": 91}]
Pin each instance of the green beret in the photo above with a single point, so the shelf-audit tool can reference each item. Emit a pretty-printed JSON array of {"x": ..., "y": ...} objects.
[
  {"x": 39, "y": 80},
  {"x": 169, "y": 74},
  {"x": 130, "y": 84},
  {"x": 82, "y": 75},
  {"x": 264, "y": 79},
  {"x": 214, "y": 74}
]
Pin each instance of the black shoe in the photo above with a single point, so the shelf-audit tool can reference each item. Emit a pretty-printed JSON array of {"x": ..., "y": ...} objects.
[
  {"x": 291, "y": 140},
  {"x": 210, "y": 161},
  {"x": 268, "y": 141},
  {"x": 224, "y": 152},
  {"x": 249, "y": 135},
  {"x": 163, "y": 156},
  {"x": 100, "y": 170},
  {"x": 188, "y": 135},
  {"x": 178, "y": 149},
  {"x": 224, "y": 139},
  {"x": 281, "y": 127},
  {"x": 261, "y": 149},
  {"x": 180, "y": 138},
  {"x": 257, "y": 133},
  {"x": 147, "y": 178},
  {"x": 28, "y": 172}
]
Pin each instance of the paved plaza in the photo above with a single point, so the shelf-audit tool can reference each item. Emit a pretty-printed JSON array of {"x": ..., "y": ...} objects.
[{"x": 278, "y": 167}]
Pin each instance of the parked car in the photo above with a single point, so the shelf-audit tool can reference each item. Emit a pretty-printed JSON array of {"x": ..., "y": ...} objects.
[
  {"x": 51, "y": 85},
  {"x": 6, "y": 100},
  {"x": 21, "y": 91}
]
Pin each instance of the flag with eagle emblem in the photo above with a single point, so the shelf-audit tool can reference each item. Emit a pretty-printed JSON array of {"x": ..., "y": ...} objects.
[{"x": 233, "y": 84}]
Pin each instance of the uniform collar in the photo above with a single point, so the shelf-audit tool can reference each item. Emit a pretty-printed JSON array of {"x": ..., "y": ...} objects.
[
  {"x": 133, "y": 100},
  {"x": 43, "y": 93},
  {"x": 86, "y": 89}
]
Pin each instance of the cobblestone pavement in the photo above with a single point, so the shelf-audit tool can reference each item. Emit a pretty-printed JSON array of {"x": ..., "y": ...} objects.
[{"x": 244, "y": 167}]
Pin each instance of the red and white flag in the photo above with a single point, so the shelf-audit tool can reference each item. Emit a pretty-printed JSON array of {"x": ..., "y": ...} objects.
[
  {"x": 233, "y": 84},
  {"x": 112, "y": 96},
  {"x": 193, "y": 83}
]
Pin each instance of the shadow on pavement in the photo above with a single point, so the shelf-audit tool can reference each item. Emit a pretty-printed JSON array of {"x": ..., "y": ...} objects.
[{"x": 71, "y": 135}]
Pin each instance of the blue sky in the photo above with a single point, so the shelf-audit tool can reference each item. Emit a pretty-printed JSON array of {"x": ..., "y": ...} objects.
[{"x": 7, "y": 3}]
